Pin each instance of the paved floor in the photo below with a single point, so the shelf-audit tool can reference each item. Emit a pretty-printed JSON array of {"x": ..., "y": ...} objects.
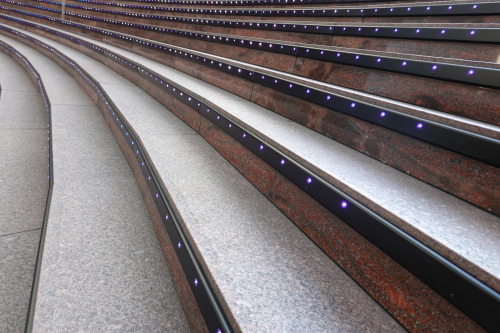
[{"x": 23, "y": 189}]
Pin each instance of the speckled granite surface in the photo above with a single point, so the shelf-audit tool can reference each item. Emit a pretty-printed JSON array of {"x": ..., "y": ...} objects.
[
  {"x": 433, "y": 209},
  {"x": 286, "y": 291},
  {"x": 23, "y": 189},
  {"x": 102, "y": 268}
]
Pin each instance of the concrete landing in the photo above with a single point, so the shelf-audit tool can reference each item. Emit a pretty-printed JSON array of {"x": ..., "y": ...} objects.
[
  {"x": 23, "y": 189},
  {"x": 102, "y": 267}
]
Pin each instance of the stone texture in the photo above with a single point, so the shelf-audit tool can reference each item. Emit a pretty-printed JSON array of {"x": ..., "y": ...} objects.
[
  {"x": 17, "y": 265},
  {"x": 102, "y": 267}
]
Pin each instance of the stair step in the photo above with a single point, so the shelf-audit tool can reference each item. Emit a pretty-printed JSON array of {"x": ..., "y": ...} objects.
[
  {"x": 224, "y": 216},
  {"x": 23, "y": 186},
  {"x": 102, "y": 268}
]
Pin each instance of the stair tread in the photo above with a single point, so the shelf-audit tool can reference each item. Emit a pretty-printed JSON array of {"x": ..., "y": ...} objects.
[
  {"x": 428, "y": 214},
  {"x": 225, "y": 216},
  {"x": 102, "y": 267}
]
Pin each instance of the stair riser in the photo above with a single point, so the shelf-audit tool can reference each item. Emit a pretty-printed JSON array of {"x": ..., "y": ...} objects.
[
  {"x": 449, "y": 97},
  {"x": 394, "y": 287},
  {"x": 461, "y": 176}
]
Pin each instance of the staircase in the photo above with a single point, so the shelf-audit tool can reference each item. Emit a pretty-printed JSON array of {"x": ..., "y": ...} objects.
[{"x": 320, "y": 166}]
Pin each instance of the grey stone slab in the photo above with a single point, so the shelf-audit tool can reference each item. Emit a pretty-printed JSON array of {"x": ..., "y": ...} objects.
[
  {"x": 22, "y": 110},
  {"x": 292, "y": 286},
  {"x": 142, "y": 105},
  {"x": 23, "y": 179},
  {"x": 24, "y": 153},
  {"x": 11, "y": 78},
  {"x": 17, "y": 265},
  {"x": 102, "y": 269}
]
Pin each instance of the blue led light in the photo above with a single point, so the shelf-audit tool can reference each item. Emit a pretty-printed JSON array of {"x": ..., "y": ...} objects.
[
  {"x": 195, "y": 282},
  {"x": 309, "y": 180},
  {"x": 420, "y": 125},
  {"x": 382, "y": 114},
  {"x": 261, "y": 147},
  {"x": 179, "y": 245},
  {"x": 282, "y": 162},
  {"x": 470, "y": 72},
  {"x": 343, "y": 204}
]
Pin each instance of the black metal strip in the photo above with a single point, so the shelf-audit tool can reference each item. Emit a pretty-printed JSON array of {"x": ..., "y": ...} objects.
[
  {"x": 244, "y": 2},
  {"x": 209, "y": 305},
  {"x": 459, "y": 287},
  {"x": 41, "y": 244},
  {"x": 436, "y": 9},
  {"x": 470, "y": 144}
]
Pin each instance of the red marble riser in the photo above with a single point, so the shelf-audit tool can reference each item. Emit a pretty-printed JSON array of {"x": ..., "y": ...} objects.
[
  {"x": 464, "y": 100},
  {"x": 388, "y": 19},
  {"x": 438, "y": 49},
  {"x": 461, "y": 176},
  {"x": 454, "y": 50},
  {"x": 453, "y": 98}
]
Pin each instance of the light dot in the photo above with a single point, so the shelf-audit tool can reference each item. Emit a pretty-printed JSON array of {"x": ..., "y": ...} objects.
[
  {"x": 196, "y": 282},
  {"x": 472, "y": 32},
  {"x": 261, "y": 147},
  {"x": 442, "y": 32},
  {"x": 328, "y": 97},
  {"x": 382, "y": 114},
  {"x": 434, "y": 67},
  {"x": 309, "y": 180},
  {"x": 379, "y": 60},
  {"x": 282, "y": 162},
  {"x": 343, "y": 204},
  {"x": 308, "y": 91},
  {"x": 404, "y": 63},
  {"x": 418, "y": 31},
  {"x": 420, "y": 125},
  {"x": 290, "y": 86},
  {"x": 353, "y": 105},
  {"x": 244, "y": 135},
  {"x": 179, "y": 245}
]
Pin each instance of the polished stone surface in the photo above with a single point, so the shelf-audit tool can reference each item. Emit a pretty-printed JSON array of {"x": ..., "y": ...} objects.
[
  {"x": 211, "y": 98},
  {"x": 202, "y": 183},
  {"x": 23, "y": 189},
  {"x": 17, "y": 265},
  {"x": 102, "y": 268}
]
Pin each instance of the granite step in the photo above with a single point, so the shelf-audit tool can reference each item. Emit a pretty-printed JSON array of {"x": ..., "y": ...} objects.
[
  {"x": 102, "y": 268},
  {"x": 224, "y": 217},
  {"x": 353, "y": 68},
  {"x": 377, "y": 198},
  {"x": 23, "y": 186},
  {"x": 405, "y": 153},
  {"x": 461, "y": 41}
]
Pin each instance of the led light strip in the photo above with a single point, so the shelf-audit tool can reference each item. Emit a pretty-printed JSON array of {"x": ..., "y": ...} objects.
[
  {"x": 41, "y": 244},
  {"x": 481, "y": 76},
  {"x": 442, "y": 33},
  {"x": 473, "y": 8},
  {"x": 209, "y": 306},
  {"x": 247, "y": 2},
  {"x": 486, "y": 8},
  {"x": 463, "y": 142},
  {"x": 459, "y": 287}
]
